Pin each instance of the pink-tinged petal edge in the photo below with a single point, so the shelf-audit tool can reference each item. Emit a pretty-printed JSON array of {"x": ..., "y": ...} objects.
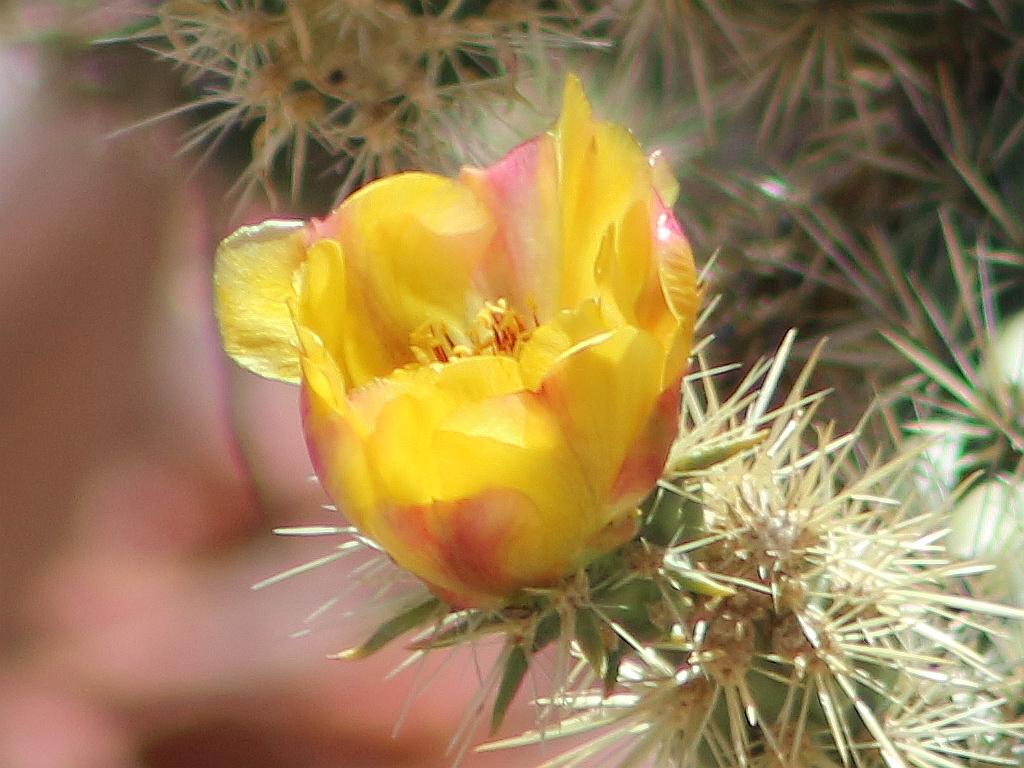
[
  {"x": 468, "y": 540},
  {"x": 521, "y": 192},
  {"x": 645, "y": 462}
]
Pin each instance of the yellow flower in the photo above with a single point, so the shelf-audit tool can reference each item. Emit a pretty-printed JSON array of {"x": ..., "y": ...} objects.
[{"x": 490, "y": 365}]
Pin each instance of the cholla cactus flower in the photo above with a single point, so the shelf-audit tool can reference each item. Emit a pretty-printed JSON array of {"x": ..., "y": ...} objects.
[{"x": 490, "y": 365}]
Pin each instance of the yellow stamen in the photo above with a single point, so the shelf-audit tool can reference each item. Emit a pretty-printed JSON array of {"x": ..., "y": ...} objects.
[
  {"x": 497, "y": 330},
  {"x": 500, "y": 330}
]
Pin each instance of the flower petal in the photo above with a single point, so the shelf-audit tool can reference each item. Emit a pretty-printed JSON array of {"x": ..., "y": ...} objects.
[
  {"x": 460, "y": 547},
  {"x": 410, "y": 245},
  {"x": 495, "y": 541},
  {"x": 645, "y": 460},
  {"x": 604, "y": 392},
  {"x": 253, "y": 281},
  {"x": 522, "y": 194},
  {"x": 377, "y": 439},
  {"x": 675, "y": 263},
  {"x": 513, "y": 447},
  {"x": 549, "y": 342},
  {"x": 602, "y": 173},
  {"x": 651, "y": 280},
  {"x": 324, "y": 309},
  {"x": 336, "y": 435}
]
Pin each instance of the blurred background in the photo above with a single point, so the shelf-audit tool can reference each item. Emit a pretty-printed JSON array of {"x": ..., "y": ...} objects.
[{"x": 856, "y": 170}]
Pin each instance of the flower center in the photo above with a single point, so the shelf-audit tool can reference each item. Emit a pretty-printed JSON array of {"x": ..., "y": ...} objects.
[{"x": 498, "y": 329}]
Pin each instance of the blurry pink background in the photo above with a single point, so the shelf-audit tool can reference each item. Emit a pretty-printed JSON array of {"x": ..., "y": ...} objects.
[{"x": 141, "y": 475}]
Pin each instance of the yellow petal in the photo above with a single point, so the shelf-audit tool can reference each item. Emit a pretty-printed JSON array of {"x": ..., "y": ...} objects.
[
  {"x": 521, "y": 192},
  {"x": 646, "y": 273},
  {"x": 411, "y": 243},
  {"x": 406, "y": 410},
  {"x": 325, "y": 308},
  {"x": 253, "y": 277},
  {"x": 477, "y": 490},
  {"x": 626, "y": 271},
  {"x": 550, "y": 341},
  {"x": 336, "y": 434},
  {"x": 603, "y": 392},
  {"x": 474, "y": 379},
  {"x": 400, "y": 450},
  {"x": 512, "y": 446},
  {"x": 675, "y": 263},
  {"x": 602, "y": 172},
  {"x": 544, "y": 347},
  {"x": 320, "y": 307},
  {"x": 620, "y": 240}
]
